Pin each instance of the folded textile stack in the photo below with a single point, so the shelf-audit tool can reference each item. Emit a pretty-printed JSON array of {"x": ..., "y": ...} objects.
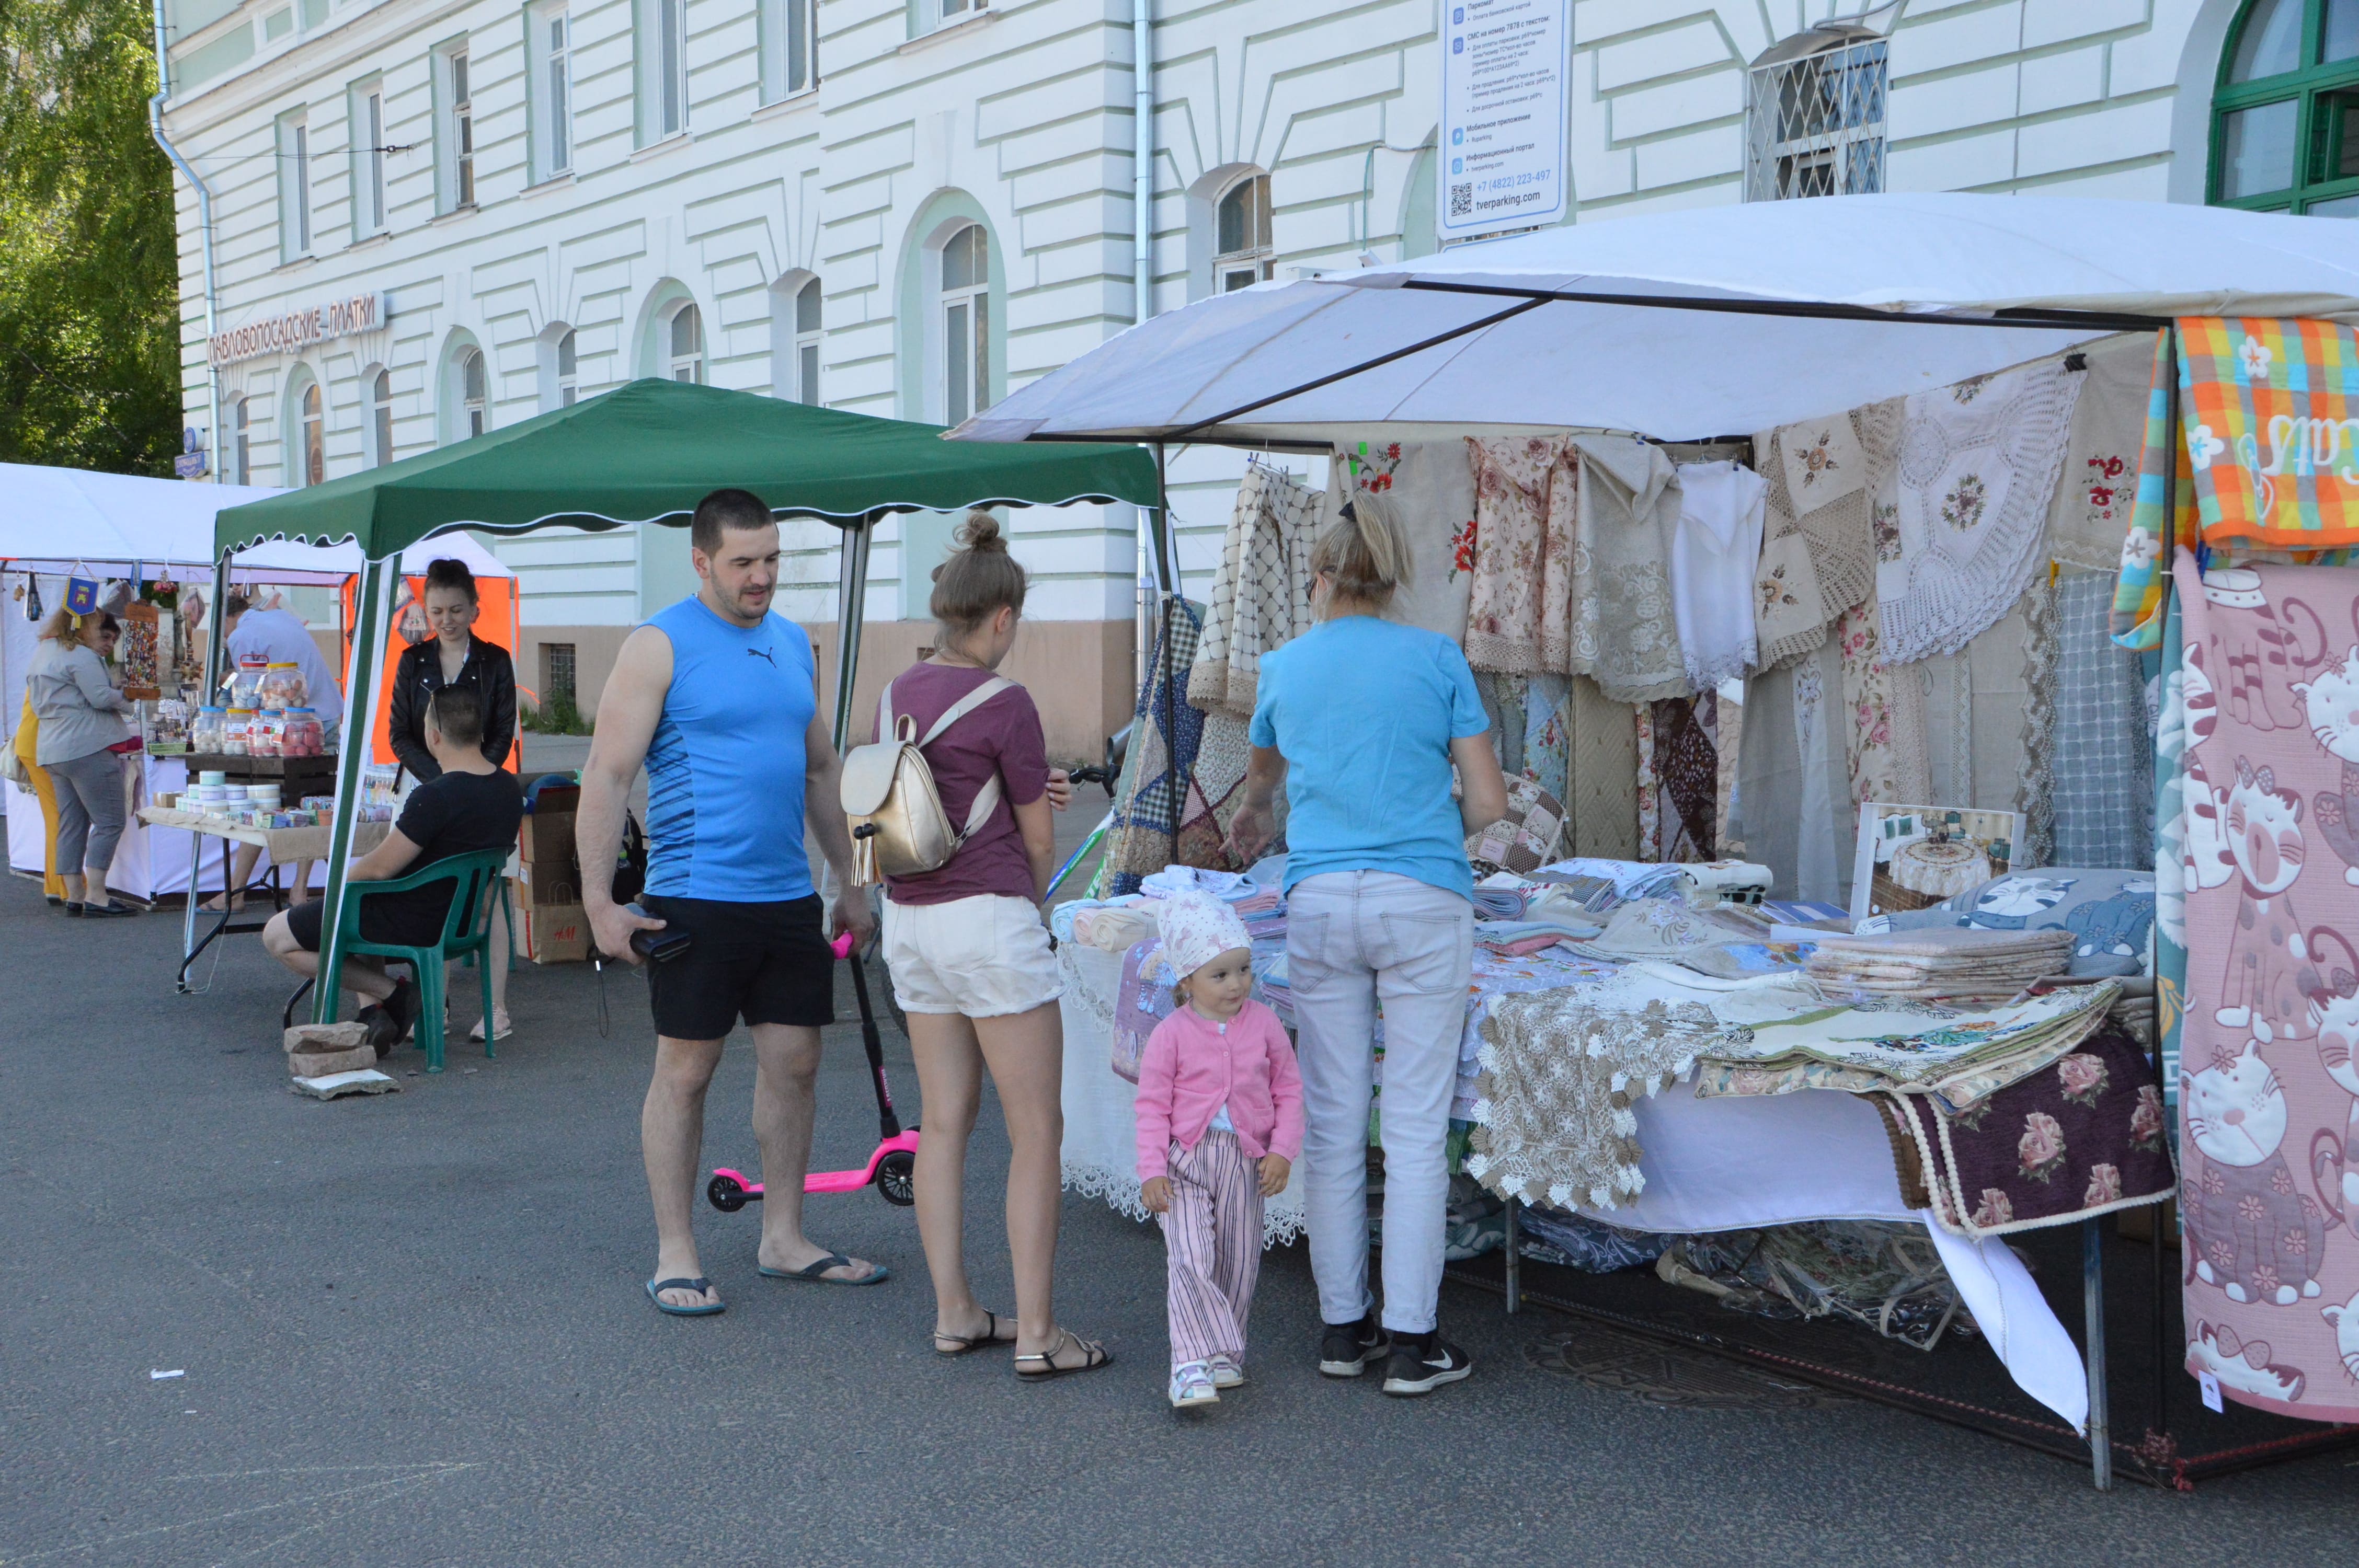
[
  {"x": 1959, "y": 1056},
  {"x": 1628, "y": 879},
  {"x": 1951, "y": 963},
  {"x": 1499, "y": 903},
  {"x": 1663, "y": 928},
  {"x": 1229, "y": 887}
]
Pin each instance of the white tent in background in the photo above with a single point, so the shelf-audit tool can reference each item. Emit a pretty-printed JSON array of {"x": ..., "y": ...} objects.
[{"x": 1685, "y": 325}]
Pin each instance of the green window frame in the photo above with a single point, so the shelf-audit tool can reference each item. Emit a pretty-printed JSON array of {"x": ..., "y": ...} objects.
[{"x": 2301, "y": 121}]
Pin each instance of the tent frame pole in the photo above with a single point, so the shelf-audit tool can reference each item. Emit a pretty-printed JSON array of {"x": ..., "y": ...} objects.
[
  {"x": 372, "y": 618},
  {"x": 216, "y": 641},
  {"x": 851, "y": 615}
]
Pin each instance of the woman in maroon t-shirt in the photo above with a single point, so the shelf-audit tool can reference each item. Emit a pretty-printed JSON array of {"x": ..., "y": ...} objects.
[{"x": 973, "y": 967}]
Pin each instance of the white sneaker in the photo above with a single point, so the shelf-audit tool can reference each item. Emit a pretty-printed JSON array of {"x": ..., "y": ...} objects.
[
  {"x": 1191, "y": 1385},
  {"x": 1226, "y": 1373}
]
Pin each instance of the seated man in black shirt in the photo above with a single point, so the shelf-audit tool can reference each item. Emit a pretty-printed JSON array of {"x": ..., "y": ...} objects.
[{"x": 472, "y": 806}]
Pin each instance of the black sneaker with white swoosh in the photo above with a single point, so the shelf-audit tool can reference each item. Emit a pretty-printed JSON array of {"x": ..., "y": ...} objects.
[{"x": 1421, "y": 1363}]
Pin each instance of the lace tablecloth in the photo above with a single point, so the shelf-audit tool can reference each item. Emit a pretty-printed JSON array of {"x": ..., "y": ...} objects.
[
  {"x": 1101, "y": 1149},
  {"x": 1939, "y": 870}
]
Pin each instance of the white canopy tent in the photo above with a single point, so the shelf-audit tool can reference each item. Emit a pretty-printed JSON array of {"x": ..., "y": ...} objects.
[{"x": 1681, "y": 325}]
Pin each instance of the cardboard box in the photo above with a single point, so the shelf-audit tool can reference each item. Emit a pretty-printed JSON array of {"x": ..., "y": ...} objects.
[
  {"x": 548, "y": 837},
  {"x": 549, "y": 884},
  {"x": 554, "y": 934}
]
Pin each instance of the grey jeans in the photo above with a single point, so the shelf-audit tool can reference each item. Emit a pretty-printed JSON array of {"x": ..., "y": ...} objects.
[
  {"x": 1355, "y": 939},
  {"x": 90, "y": 812}
]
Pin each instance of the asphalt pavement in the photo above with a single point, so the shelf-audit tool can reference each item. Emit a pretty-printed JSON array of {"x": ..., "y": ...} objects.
[{"x": 409, "y": 1330}]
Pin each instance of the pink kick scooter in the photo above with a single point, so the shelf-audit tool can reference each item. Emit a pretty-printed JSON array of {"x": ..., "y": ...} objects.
[{"x": 891, "y": 1165}]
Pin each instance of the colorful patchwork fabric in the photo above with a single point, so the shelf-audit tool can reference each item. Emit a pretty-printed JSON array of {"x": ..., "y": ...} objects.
[{"x": 2145, "y": 549}]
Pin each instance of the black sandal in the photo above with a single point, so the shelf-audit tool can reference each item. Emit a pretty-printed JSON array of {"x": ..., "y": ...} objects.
[
  {"x": 1094, "y": 1356},
  {"x": 984, "y": 1341}
]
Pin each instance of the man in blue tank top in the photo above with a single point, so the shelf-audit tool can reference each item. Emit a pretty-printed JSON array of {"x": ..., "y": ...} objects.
[{"x": 718, "y": 698}]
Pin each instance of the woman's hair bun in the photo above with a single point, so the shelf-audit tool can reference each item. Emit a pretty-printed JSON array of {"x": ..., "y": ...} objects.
[
  {"x": 981, "y": 533},
  {"x": 446, "y": 572}
]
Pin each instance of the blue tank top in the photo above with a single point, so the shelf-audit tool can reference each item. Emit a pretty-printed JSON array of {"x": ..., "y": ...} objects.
[{"x": 725, "y": 764}]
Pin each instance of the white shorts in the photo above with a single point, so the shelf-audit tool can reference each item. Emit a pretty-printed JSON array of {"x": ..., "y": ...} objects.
[{"x": 985, "y": 957}]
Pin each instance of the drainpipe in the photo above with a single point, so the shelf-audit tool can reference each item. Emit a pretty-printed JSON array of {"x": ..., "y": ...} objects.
[{"x": 204, "y": 237}]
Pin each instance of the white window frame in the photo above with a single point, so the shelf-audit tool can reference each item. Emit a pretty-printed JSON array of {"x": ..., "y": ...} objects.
[
  {"x": 675, "y": 358},
  {"x": 789, "y": 42},
  {"x": 1253, "y": 261},
  {"x": 942, "y": 13},
  {"x": 810, "y": 328},
  {"x": 294, "y": 140},
  {"x": 663, "y": 69},
  {"x": 475, "y": 401},
  {"x": 1816, "y": 116},
  {"x": 242, "y": 444},
  {"x": 566, "y": 355},
  {"x": 798, "y": 312},
  {"x": 454, "y": 128},
  {"x": 368, "y": 121},
  {"x": 376, "y": 387},
  {"x": 962, "y": 313},
  {"x": 549, "y": 30}
]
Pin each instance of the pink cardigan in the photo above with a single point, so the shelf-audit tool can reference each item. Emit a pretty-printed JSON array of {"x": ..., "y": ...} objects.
[{"x": 1192, "y": 1065}]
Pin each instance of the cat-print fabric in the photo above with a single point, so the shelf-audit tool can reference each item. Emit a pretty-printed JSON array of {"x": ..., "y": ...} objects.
[{"x": 2269, "y": 777}]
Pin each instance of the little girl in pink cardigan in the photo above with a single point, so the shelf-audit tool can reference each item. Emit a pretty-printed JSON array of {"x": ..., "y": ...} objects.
[{"x": 1220, "y": 1125}]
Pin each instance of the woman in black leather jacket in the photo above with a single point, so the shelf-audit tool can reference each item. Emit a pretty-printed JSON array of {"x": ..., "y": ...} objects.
[{"x": 453, "y": 655}]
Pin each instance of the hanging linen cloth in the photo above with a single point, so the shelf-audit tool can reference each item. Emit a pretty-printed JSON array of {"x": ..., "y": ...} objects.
[
  {"x": 1600, "y": 741},
  {"x": 1886, "y": 743},
  {"x": 1261, "y": 596},
  {"x": 1519, "y": 607},
  {"x": 1624, "y": 631},
  {"x": 1165, "y": 734},
  {"x": 1686, "y": 763},
  {"x": 1432, "y": 490},
  {"x": 1794, "y": 782},
  {"x": 1978, "y": 467},
  {"x": 2104, "y": 759},
  {"x": 2272, "y": 999},
  {"x": 1818, "y": 554},
  {"x": 1715, "y": 549},
  {"x": 2090, "y": 513}
]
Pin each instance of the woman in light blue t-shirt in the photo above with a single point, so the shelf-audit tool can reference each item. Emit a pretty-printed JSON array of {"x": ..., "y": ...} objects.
[{"x": 1361, "y": 719}]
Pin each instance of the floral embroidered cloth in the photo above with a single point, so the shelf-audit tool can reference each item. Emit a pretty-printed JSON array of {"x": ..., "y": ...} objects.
[
  {"x": 2090, "y": 513},
  {"x": 1432, "y": 490},
  {"x": 1885, "y": 741},
  {"x": 2082, "y": 1136},
  {"x": 1519, "y": 609},
  {"x": 1261, "y": 596},
  {"x": 1977, "y": 469},
  {"x": 2268, "y": 1092},
  {"x": 1818, "y": 553}
]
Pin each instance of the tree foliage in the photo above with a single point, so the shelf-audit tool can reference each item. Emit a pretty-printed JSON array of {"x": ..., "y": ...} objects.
[{"x": 90, "y": 350}]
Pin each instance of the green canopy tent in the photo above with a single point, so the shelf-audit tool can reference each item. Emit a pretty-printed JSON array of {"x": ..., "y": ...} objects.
[{"x": 648, "y": 452}]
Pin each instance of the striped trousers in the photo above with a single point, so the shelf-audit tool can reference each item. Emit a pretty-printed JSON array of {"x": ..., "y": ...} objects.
[{"x": 1213, "y": 1233}]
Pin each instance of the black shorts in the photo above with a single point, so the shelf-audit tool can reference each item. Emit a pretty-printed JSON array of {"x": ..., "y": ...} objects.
[
  {"x": 766, "y": 963},
  {"x": 304, "y": 922}
]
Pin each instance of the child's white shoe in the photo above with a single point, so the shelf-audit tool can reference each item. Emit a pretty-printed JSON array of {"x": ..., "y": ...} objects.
[
  {"x": 1226, "y": 1373},
  {"x": 1191, "y": 1385}
]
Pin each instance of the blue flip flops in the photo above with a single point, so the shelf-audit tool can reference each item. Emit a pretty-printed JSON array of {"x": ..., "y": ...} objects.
[
  {"x": 816, "y": 1272},
  {"x": 655, "y": 1288}
]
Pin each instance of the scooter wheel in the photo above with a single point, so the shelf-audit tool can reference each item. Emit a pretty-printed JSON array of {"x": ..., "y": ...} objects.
[
  {"x": 727, "y": 1195},
  {"x": 897, "y": 1178}
]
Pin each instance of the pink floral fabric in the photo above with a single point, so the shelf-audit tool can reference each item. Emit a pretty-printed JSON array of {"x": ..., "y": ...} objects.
[{"x": 1526, "y": 500}]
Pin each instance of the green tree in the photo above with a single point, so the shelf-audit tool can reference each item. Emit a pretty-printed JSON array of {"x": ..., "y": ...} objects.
[{"x": 90, "y": 351}]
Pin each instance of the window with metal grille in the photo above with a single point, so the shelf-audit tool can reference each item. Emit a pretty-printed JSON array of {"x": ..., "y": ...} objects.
[
  {"x": 1814, "y": 121},
  {"x": 557, "y": 672}
]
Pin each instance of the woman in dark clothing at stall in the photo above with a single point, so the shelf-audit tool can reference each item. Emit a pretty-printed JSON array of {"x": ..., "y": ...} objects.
[{"x": 455, "y": 656}]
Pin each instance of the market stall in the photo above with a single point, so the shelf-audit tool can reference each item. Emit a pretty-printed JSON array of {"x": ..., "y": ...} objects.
[
  {"x": 1902, "y": 558},
  {"x": 648, "y": 452}
]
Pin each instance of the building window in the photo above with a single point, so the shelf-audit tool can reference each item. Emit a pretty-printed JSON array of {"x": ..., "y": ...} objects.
[
  {"x": 1815, "y": 116},
  {"x": 242, "y": 452},
  {"x": 952, "y": 10},
  {"x": 369, "y": 161},
  {"x": 664, "y": 68},
  {"x": 1241, "y": 233},
  {"x": 551, "y": 40},
  {"x": 966, "y": 324},
  {"x": 455, "y": 137},
  {"x": 2284, "y": 127},
  {"x": 795, "y": 338},
  {"x": 380, "y": 396},
  {"x": 687, "y": 345},
  {"x": 294, "y": 187},
  {"x": 568, "y": 380},
  {"x": 470, "y": 391},
  {"x": 807, "y": 334},
  {"x": 557, "y": 665},
  {"x": 789, "y": 47},
  {"x": 314, "y": 438}
]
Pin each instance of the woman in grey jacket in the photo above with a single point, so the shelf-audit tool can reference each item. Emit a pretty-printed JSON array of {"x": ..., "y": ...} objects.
[{"x": 81, "y": 717}]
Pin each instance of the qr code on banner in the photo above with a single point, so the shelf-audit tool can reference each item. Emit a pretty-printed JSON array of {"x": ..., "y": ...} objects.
[{"x": 1462, "y": 200}]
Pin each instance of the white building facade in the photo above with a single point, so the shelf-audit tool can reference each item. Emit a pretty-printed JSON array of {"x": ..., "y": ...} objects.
[{"x": 910, "y": 207}]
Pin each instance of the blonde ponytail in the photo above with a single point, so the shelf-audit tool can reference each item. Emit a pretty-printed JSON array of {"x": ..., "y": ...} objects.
[{"x": 1365, "y": 557}]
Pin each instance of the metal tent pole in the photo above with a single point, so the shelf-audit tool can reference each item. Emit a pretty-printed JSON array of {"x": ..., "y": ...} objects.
[
  {"x": 372, "y": 618},
  {"x": 215, "y": 638},
  {"x": 2157, "y": 1308},
  {"x": 2092, "y": 1303},
  {"x": 851, "y": 612}
]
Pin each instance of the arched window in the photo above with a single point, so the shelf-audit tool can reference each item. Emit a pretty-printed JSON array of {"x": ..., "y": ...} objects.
[
  {"x": 795, "y": 313},
  {"x": 314, "y": 436},
  {"x": 380, "y": 400},
  {"x": 687, "y": 332},
  {"x": 568, "y": 378},
  {"x": 242, "y": 452},
  {"x": 1241, "y": 235},
  {"x": 470, "y": 391},
  {"x": 966, "y": 323},
  {"x": 2285, "y": 124},
  {"x": 807, "y": 333}
]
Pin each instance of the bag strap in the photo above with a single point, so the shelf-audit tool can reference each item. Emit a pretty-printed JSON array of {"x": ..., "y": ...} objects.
[{"x": 986, "y": 799}]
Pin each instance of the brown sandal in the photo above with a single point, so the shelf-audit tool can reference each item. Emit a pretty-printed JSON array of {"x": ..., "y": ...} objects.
[
  {"x": 963, "y": 1344},
  {"x": 1094, "y": 1356}
]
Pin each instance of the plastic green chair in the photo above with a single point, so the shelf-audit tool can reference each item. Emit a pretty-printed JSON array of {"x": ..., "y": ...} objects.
[{"x": 471, "y": 874}]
